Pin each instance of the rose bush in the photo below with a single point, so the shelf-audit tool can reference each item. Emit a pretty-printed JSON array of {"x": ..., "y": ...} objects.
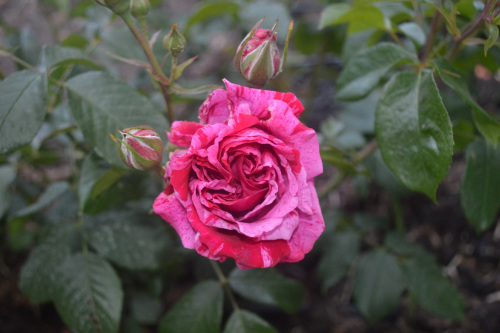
[{"x": 241, "y": 186}]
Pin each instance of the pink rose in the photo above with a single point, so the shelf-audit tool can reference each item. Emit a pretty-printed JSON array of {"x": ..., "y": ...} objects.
[{"x": 243, "y": 187}]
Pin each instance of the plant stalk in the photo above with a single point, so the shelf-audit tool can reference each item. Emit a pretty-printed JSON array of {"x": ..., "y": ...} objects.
[
  {"x": 157, "y": 71},
  {"x": 225, "y": 284},
  {"x": 458, "y": 42},
  {"x": 337, "y": 179}
]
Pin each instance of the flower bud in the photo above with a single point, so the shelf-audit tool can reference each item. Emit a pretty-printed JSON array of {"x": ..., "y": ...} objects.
[
  {"x": 174, "y": 42},
  {"x": 141, "y": 148},
  {"x": 140, "y": 8},
  {"x": 258, "y": 58},
  {"x": 118, "y": 6}
]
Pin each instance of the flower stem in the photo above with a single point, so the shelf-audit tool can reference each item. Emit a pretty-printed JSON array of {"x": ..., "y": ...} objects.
[
  {"x": 337, "y": 179},
  {"x": 458, "y": 42},
  {"x": 157, "y": 71},
  {"x": 430, "y": 37},
  {"x": 225, "y": 284}
]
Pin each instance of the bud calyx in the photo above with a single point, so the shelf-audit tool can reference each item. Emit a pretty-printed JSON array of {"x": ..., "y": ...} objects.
[
  {"x": 140, "y": 148},
  {"x": 257, "y": 58}
]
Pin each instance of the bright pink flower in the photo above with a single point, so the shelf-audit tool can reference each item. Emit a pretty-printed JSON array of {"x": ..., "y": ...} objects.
[{"x": 243, "y": 188}]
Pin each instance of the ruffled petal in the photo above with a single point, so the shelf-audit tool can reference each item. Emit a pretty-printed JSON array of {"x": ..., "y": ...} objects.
[
  {"x": 215, "y": 109},
  {"x": 247, "y": 252},
  {"x": 308, "y": 231},
  {"x": 258, "y": 99},
  {"x": 286, "y": 127},
  {"x": 172, "y": 211},
  {"x": 182, "y": 133}
]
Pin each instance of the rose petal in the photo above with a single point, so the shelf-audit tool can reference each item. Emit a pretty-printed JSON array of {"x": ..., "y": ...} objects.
[
  {"x": 215, "y": 108},
  {"x": 286, "y": 127},
  {"x": 285, "y": 230},
  {"x": 258, "y": 99},
  {"x": 172, "y": 211},
  {"x": 246, "y": 252},
  {"x": 308, "y": 230},
  {"x": 182, "y": 133}
]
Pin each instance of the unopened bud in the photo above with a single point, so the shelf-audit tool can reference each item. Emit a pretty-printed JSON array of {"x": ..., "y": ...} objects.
[
  {"x": 258, "y": 58},
  {"x": 174, "y": 42},
  {"x": 141, "y": 147},
  {"x": 140, "y": 8},
  {"x": 118, "y": 6}
]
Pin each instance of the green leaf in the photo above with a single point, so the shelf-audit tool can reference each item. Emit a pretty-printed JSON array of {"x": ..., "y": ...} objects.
[
  {"x": 431, "y": 290},
  {"x": 119, "y": 40},
  {"x": 91, "y": 296},
  {"x": 364, "y": 71},
  {"x": 75, "y": 41},
  {"x": 339, "y": 254},
  {"x": 101, "y": 105},
  {"x": 480, "y": 190},
  {"x": 210, "y": 10},
  {"x": 22, "y": 109},
  {"x": 242, "y": 321},
  {"x": 145, "y": 308},
  {"x": 127, "y": 239},
  {"x": 363, "y": 18},
  {"x": 492, "y": 38},
  {"x": 338, "y": 158},
  {"x": 268, "y": 287},
  {"x": 200, "y": 310},
  {"x": 456, "y": 80},
  {"x": 467, "y": 8},
  {"x": 360, "y": 17},
  {"x": 52, "y": 192},
  {"x": 332, "y": 13},
  {"x": 180, "y": 68},
  {"x": 463, "y": 134},
  {"x": 414, "y": 131},
  {"x": 382, "y": 175},
  {"x": 177, "y": 89},
  {"x": 398, "y": 243},
  {"x": 40, "y": 273},
  {"x": 378, "y": 284},
  {"x": 55, "y": 55},
  {"x": 96, "y": 178},
  {"x": 414, "y": 32},
  {"x": 7, "y": 176}
]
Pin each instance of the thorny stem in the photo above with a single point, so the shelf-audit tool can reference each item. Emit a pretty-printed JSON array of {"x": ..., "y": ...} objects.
[
  {"x": 398, "y": 215},
  {"x": 337, "y": 179},
  {"x": 366, "y": 151},
  {"x": 225, "y": 284},
  {"x": 394, "y": 36},
  {"x": 144, "y": 43},
  {"x": 430, "y": 37},
  {"x": 29, "y": 67},
  {"x": 332, "y": 183},
  {"x": 19, "y": 61},
  {"x": 470, "y": 31}
]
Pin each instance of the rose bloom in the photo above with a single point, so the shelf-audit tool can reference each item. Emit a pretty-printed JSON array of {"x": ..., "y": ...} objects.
[{"x": 242, "y": 186}]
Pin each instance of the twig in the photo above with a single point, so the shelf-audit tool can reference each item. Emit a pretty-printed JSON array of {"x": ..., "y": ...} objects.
[
  {"x": 337, "y": 179},
  {"x": 157, "y": 71},
  {"x": 469, "y": 31},
  {"x": 225, "y": 284},
  {"x": 430, "y": 37}
]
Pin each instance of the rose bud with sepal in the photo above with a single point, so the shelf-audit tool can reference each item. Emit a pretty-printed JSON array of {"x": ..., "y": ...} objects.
[
  {"x": 141, "y": 147},
  {"x": 174, "y": 42},
  {"x": 139, "y": 8},
  {"x": 119, "y": 7},
  {"x": 258, "y": 57}
]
